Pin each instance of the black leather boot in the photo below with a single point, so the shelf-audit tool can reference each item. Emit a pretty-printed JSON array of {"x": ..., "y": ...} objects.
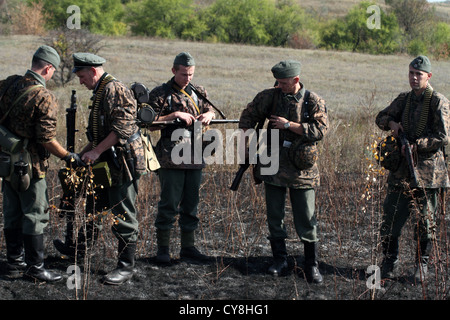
[
  {"x": 14, "y": 252},
  {"x": 422, "y": 257},
  {"x": 280, "y": 265},
  {"x": 390, "y": 260},
  {"x": 70, "y": 247},
  {"x": 189, "y": 251},
  {"x": 311, "y": 265},
  {"x": 125, "y": 266},
  {"x": 34, "y": 258},
  {"x": 163, "y": 240}
]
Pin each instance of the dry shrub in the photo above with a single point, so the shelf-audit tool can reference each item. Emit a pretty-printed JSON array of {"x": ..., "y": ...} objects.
[{"x": 28, "y": 19}]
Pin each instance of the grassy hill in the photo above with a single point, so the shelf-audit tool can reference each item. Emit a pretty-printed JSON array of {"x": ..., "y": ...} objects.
[
  {"x": 334, "y": 8},
  {"x": 355, "y": 86}
]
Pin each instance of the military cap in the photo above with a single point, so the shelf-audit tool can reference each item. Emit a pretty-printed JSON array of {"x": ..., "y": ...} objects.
[
  {"x": 286, "y": 69},
  {"x": 83, "y": 59},
  {"x": 184, "y": 59},
  {"x": 49, "y": 55},
  {"x": 421, "y": 63}
]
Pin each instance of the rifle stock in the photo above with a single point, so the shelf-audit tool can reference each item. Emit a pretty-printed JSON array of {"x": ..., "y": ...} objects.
[{"x": 238, "y": 177}]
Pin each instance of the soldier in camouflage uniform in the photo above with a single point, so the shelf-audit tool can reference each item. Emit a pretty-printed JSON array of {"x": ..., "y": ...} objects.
[
  {"x": 422, "y": 114},
  {"x": 29, "y": 110},
  {"x": 180, "y": 183},
  {"x": 114, "y": 137},
  {"x": 285, "y": 108}
]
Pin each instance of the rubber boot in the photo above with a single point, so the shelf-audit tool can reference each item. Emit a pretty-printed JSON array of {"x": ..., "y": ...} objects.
[
  {"x": 34, "y": 258},
  {"x": 422, "y": 257},
  {"x": 311, "y": 265},
  {"x": 390, "y": 260},
  {"x": 125, "y": 266},
  {"x": 14, "y": 252},
  {"x": 189, "y": 251},
  {"x": 280, "y": 265},
  {"x": 163, "y": 240}
]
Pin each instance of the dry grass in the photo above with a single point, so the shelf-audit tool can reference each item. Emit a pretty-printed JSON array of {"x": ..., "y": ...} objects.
[{"x": 355, "y": 86}]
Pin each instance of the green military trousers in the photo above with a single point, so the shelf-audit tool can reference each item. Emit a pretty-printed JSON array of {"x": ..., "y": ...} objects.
[
  {"x": 179, "y": 195},
  {"x": 121, "y": 200},
  {"x": 303, "y": 207},
  {"x": 27, "y": 210},
  {"x": 400, "y": 204}
]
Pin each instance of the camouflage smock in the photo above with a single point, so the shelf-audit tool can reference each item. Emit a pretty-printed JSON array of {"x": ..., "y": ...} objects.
[
  {"x": 166, "y": 99},
  {"x": 431, "y": 168},
  {"x": 290, "y": 108},
  {"x": 117, "y": 113},
  {"x": 33, "y": 116}
]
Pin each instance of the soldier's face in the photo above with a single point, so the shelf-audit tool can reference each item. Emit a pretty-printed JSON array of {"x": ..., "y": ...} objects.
[
  {"x": 183, "y": 75},
  {"x": 88, "y": 77},
  {"x": 288, "y": 85},
  {"x": 418, "y": 80}
]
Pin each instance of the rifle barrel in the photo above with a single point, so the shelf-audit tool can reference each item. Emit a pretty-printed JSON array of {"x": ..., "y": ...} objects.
[{"x": 179, "y": 122}]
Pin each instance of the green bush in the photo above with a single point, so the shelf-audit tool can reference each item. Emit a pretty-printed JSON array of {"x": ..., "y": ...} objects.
[
  {"x": 166, "y": 19},
  {"x": 352, "y": 32},
  {"x": 417, "y": 47},
  {"x": 440, "y": 41},
  {"x": 97, "y": 16}
]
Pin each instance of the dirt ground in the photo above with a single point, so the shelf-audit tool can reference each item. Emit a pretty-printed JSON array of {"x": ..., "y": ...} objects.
[{"x": 237, "y": 271}]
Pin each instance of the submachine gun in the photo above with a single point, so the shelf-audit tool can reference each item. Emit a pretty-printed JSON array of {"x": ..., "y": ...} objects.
[{"x": 409, "y": 158}]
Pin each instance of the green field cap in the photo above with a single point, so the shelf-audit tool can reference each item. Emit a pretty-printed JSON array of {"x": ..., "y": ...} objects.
[
  {"x": 421, "y": 63},
  {"x": 83, "y": 59},
  {"x": 184, "y": 59},
  {"x": 48, "y": 54},
  {"x": 286, "y": 69}
]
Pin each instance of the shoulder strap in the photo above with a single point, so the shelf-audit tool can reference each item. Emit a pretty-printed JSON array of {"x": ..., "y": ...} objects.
[{"x": 305, "y": 104}]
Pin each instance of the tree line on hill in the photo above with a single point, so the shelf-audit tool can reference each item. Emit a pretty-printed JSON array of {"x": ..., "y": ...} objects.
[{"x": 406, "y": 26}]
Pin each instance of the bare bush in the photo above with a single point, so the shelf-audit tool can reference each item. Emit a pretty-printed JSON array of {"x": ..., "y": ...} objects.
[
  {"x": 68, "y": 41},
  {"x": 28, "y": 19}
]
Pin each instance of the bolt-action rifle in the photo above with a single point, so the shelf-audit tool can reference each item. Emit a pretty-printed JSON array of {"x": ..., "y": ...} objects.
[
  {"x": 409, "y": 158},
  {"x": 180, "y": 122}
]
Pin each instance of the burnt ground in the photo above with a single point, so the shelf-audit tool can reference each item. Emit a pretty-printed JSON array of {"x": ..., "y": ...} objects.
[{"x": 236, "y": 240}]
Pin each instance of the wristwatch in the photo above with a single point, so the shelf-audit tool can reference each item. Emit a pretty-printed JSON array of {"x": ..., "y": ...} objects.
[{"x": 287, "y": 125}]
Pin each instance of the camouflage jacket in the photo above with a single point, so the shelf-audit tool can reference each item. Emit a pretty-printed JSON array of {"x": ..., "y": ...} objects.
[
  {"x": 33, "y": 116},
  {"x": 431, "y": 167},
  {"x": 289, "y": 107},
  {"x": 117, "y": 113},
  {"x": 166, "y": 99}
]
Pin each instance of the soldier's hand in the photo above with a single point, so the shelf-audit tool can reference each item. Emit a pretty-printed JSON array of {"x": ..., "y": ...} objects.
[{"x": 74, "y": 160}]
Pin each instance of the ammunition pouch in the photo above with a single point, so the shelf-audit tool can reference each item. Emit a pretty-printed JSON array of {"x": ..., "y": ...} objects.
[
  {"x": 102, "y": 174},
  {"x": 302, "y": 154}
]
